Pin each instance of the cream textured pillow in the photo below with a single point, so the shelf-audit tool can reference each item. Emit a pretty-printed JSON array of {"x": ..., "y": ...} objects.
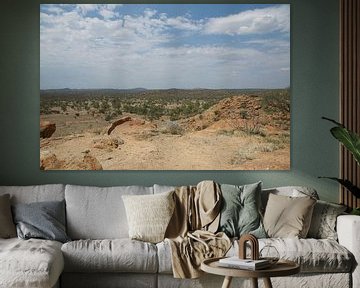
[
  {"x": 323, "y": 222},
  {"x": 149, "y": 215},
  {"x": 288, "y": 217},
  {"x": 7, "y": 226}
]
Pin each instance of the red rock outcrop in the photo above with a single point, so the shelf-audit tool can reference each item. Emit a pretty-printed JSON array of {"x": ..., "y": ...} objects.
[
  {"x": 117, "y": 123},
  {"x": 47, "y": 129}
]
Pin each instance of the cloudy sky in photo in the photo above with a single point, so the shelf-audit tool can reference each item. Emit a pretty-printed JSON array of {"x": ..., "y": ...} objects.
[{"x": 158, "y": 46}]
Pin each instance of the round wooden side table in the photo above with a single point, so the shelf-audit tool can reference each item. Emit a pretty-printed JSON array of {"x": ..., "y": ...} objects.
[{"x": 281, "y": 268}]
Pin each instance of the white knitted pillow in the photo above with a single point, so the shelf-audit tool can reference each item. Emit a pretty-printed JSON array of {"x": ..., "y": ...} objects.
[{"x": 149, "y": 215}]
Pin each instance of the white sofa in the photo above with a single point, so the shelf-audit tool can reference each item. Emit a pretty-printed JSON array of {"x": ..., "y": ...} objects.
[{"x": 101, "y": 255}]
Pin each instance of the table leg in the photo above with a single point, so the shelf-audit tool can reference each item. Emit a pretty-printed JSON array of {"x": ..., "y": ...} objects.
[
  {"x": 254, "y": 282},
  {"x": 267, "y": 283},
  {"x": 227, "y": 282}
]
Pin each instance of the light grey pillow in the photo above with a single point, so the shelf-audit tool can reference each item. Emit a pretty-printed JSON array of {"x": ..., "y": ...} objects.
[
  {"x": 44, "y": 220},
  {"x": 323, "y": 222},
  {"x": 240, "y": 212},
  {"x": 7, "y": 227}
]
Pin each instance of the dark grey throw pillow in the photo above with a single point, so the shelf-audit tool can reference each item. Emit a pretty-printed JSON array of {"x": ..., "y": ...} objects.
[
  {"x": 43, "y": 220},
  {"x": 240, "y": 213}
]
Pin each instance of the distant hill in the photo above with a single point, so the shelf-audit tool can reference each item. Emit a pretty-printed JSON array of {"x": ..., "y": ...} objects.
[{"x": 81, "y": 91}]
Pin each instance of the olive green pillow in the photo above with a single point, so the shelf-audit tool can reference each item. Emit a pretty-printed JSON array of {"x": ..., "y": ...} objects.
[
  {"x": 7, "y": 226},
  {"x": 288, "y": 217},
  {"x": 240, "y": 213}
]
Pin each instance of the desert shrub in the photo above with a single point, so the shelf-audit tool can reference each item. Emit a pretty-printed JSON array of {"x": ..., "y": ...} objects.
[
  {"x": 216, "y": 115},
  {"x": 226, "y": 132},
  {"x": 173, "y": 128},
  {"x": 253, "y": 128},
  {"x": 278, "y": 141},
  {"x": 243, "y": 155},
  {"x": 45, "y": 108},
  {"x": 63, "y": 106},
  {"x": 244, "y": 114},
  {"x": 276, "y": 101},
  {"x": 268, "y": 147}
]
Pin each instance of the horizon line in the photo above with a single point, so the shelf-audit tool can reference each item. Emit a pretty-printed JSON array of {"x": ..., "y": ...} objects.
[{"x": 171, "y": 88}]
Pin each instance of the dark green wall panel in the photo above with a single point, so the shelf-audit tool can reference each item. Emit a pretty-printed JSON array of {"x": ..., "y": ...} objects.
[{"x": 314, "y": 83}]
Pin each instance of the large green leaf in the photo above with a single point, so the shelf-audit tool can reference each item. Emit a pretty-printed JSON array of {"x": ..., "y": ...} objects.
[
  {"x": 348, "y": 138},
  {"x": 348, "y": 185}
]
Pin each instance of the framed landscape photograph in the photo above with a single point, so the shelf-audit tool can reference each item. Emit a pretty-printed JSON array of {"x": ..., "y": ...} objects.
[{"x": 165, "y": 87}]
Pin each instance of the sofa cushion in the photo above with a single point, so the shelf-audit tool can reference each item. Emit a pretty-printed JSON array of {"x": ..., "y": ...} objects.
[
  {"x": 287, "y": 216},
  {"x": 36, "y": 193},
  {"x": 163, "y": 188},
  {"x": 323, "y": 222},
  {"x": 117, "y": 255},
  {"x": 7, "y": 226},
  {"x": 43, "y": 220},
  {"x": 30, "y": 263},
  {"x": 313, "y": 255},
  {"x": 291, "y": 191},
  {"x": 149, "y": 215},
  {"x": 98, "y": 213},
  {"x": 240, "y": 210}
]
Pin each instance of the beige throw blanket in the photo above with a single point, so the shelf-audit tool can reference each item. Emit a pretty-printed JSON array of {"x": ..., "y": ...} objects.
[{"x": 191, "y": 231}]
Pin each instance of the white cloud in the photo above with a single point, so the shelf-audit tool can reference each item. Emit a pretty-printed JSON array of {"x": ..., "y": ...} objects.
[
  {"x": 52, "y": 9},
  {"x": 108, "y": 11},
  {"x": 105, "y": 10},
  {"x": 86, "y": 8},
  {"x": 80, "y": 49},
  {"x": 257, "y": 21},
  {"x": 183, "y": 23},
  {"x": 149, "y": 13}
]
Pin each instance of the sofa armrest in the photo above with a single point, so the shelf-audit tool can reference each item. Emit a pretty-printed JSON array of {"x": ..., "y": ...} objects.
[{"x": 348, "y": 230}]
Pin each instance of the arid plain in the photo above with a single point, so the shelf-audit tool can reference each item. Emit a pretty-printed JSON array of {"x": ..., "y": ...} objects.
[{"x": 173, "y": 129}]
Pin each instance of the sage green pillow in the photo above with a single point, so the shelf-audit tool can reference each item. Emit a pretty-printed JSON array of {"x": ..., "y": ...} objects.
[{"x": 240, "y": 213}]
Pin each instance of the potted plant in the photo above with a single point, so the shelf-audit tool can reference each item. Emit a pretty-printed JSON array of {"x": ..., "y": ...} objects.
[{"x": 351, "y": 141}]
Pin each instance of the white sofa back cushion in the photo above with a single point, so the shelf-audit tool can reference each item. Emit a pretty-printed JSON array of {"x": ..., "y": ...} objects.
[
  {"x": 97, "y": 212},
  {"x": 163, "y": 188},
  {"x": 35, "y": 193}
]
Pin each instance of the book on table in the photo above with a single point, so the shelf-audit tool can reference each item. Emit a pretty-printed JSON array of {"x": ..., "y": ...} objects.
[{"x": 236, "y": 262}]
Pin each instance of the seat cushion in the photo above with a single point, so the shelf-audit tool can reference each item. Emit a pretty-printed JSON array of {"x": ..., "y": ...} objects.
[
  {"x": 313, "y": 255},
  {"x": 117, "y": 255},
  {"x": 30, "y": 263},
  {"x": 98, "y": 213}
]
